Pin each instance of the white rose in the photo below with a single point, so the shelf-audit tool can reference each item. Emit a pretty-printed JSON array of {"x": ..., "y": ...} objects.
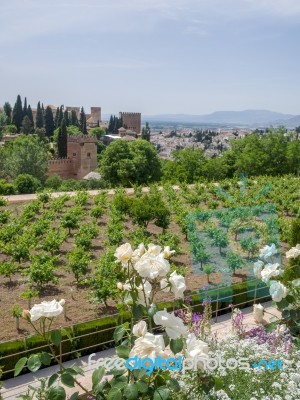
[
  {"x": 62, "y": 302},
  {"x": 124, "y": 253},
  {"x": 258, "y": 313},
  {"x": 150, "y": 346},
  {"x": 269, "y": 271},
  {"x": 176, "y": 285},
  {"x": 153, "y": 249},
  {"x": 150, "y": 266},
  {"x": 268, "y": 251},
  {"x": 140, "y": 329},
  {"x": 174, "y": 326},
  {"x": 144, "y": 292},
  {"x": 196, "y": 348},
  {"x": 138, "y": 253},
  {"x": 257, "y": 268},
  {"x": 278, "y": 291},
  {"x": 168, "y": 252},
  {"x": 120, "y": 286},
  {"x": 47, "y": 309},
  {"x": 294, "y": 252}
]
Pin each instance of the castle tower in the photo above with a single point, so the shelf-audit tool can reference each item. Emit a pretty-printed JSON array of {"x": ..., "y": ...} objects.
[
  {"x": 131, "y": 120},
  {"x": 83, "y": 151}
]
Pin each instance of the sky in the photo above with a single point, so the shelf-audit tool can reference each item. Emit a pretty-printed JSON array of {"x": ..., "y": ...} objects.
[{"x": 152, "y": 56}]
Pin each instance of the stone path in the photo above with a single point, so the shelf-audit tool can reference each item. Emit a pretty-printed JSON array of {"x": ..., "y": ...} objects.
[{"x": 16, "y": 386}]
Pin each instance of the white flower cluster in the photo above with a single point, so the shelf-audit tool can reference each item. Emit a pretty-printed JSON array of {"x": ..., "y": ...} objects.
[
  {"x": 267, "y": 271},
  {"x": 148, "y": 345},
  {"x": 46, "y": 309},
  {"x": 152, "y": 265}
]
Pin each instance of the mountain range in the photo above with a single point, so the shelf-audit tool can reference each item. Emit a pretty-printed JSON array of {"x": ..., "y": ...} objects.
[{"x": 246, "y": 117}]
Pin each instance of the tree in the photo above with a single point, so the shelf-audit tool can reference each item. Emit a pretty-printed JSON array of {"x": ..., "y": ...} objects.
[
  {"x": 49, "y": 122},
  {"x": 39, "y": 120},
  {"x": 73, "y": 118},
  {"x": 30, "y": 116},
  {"x": 25, "y": 109},
  {"x": 26, "y": 125},
  {"x": 62, "y": 144},
  {"x": 66, "y": 117},
  {"x": 125, "y": 163},
  {"x": 26, "y": 155},
  {"x": 78, "y": 263},
  {"x": 188, "y": 165},
  {"x": 110, "y": 127},
  {"x": 220, "y": 239},
  {"x": 297, "y": 130},
  {"x": 234, "y": 261},
  {"x": 82, "y": 122},
  {"x": 146, "y": 132},
  {"x": 56, "y": 118},
  {"x": 17, "y": 115},
  {"x": 8, "y": 112}
]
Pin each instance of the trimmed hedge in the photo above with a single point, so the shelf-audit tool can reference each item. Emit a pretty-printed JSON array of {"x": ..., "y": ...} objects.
[{"x": 101, "y": 330}]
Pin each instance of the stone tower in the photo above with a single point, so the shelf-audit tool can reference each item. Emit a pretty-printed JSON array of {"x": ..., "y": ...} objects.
[
  {"x": 131, "y": 120},
  {"x": 83, "y": 151}
]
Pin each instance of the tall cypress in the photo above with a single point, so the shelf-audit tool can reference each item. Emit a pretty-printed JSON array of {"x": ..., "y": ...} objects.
[
  {"x": 39, "y": 121},
  {"x": 56, "y": 118},
  {"x": 62, "y": 144},
  {"x": 25, "y": 109},
  {"x": 82, "y": 122},
  {"x": 17, "y": 116},
  {"x": 110, "y": 127},
  {"x": 73, "y": 118},
  {"x": 49, "y": 122},
  {"x": 66, "y": 117},
  {"x": 60, "y": 116},
  {"x": 30, "y": 116}
]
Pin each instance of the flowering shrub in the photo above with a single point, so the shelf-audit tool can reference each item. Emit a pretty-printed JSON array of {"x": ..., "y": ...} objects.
[
  {"x": 286, "y": 295},
  {"x": 145, "y": 272}
]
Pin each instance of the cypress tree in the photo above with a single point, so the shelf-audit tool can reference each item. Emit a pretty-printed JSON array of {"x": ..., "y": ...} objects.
[
  {"x": 66, "y": 117},
  {"x": 49, "y": 122},
  {"x": 56, "y": 118},
  {"x": 60, "y": 116},
  {"x": 26, "y": 125},
  {"x": 111, "y": 124},
  {"x": 25, "y": 110},
  {"x": 62, "y": 144},
  {"x": 73, "y": 119},
  {"x": 39, "y": 121},
  {"x": 82, "y": 122},
  {"x": 30, "y": 116},
  {"x": 17, "y": 116}
]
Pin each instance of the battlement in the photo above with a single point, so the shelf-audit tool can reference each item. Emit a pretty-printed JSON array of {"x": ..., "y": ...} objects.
[
  {"x": 63, "y": 160},
  {"x": 129, "y": 113},
  {"x": 82, "y": 139},
  {"x": 132, "y": 120}
]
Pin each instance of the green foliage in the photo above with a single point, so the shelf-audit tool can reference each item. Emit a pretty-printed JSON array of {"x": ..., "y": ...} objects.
[
  {"x": 70, "y": 220},
  {"x": 49, "y": 122},
  {"x": 17, "y": 114},
  {"x": 125, "y": 163},
  {"x": 41, "y": 270},
  {"x": 17, "y": 311},
  {"x": 78, "y": 262},
  {"x": 53, "y": 240},
  {"x": 234, "y": 261},
  {"x": 62, "y": 145},
  {"x": 25, "y": 183},
  {"x": 53, "y": 182},
  {"x": 26, "y": 155}
]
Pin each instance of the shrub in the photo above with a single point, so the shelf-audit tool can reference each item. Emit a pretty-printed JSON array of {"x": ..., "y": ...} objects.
[{"x": 26, "y": 183}]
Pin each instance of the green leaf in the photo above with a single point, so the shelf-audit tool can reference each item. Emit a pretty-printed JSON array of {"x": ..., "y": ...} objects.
[
  {"x": 152, "y": 310},
  {"x": 123, "y": 351},
  {"x": 176, "y": 345},
  {"x": 55, "y": 337},
  {"x": 119, "y": 382},
  {"x": 57, "y": 393},
  {"x": 119, "y": 333},
  {"x": 142, "y": 386},
  {"x": 137, "y": 311},
  {"x": 174, "y": 385},
  {"x": 20, "y": 365},
  {"x": 166, "y": 339},
  {"x": 286, "y": 314},
  {"x": 139, "y": 373},
  {"x": 52, "y": 379},
  {"x": 114, "y": 394},
  {"x": 219, "y": 383},
  {"x": 66, "y": 332},
  {"x": 296, "y": 282},
  {"x": 131, "y": 392},
  {"x": 97, "y": 376},
  {"x": 34, "y": 363},
  {"x": 161, "y": 393},
  {"x": 74, "y": 396},
  {"x": 46, "y": 358},
  {"x": 68, "y": 379}
]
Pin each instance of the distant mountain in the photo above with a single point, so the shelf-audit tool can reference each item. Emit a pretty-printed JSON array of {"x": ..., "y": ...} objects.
[
  {"x": 292, "y": 123},
  {"x": 247, "y": 117}
]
